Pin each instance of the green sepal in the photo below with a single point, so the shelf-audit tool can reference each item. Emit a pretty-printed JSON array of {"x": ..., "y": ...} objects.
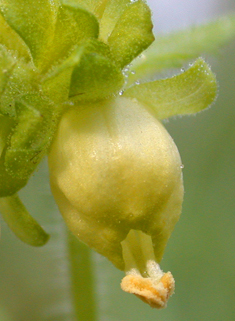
[
  {"x": 7, "y": 64},
  {"x": 96, "y": 76},
  {"x": 113, "y": 10},
  {"x": 37, "y": 118},
  {"x": 132, "y": 33},
  {"x": 18, "y": 79},
  {"x": 171, "y": 51},
  {"x": 29, "y": 120},
  {"x": 12, "y": 41},
  {"x": 96, "y": 7},
  {"x": 8, "y": 184},
  {"x": 73, "y": 25},
  {"x": 25, "y": 140},
  {"x": 34, "y": 21},
  {"x": 21, "y": 222},
  {"x": 186, "y": 93},
  {"x": 21, "y": 163},
  {"x": 56, "y": 82},
  {"x": 6, "y": 125},
  {"x": 23, "y": 154}
]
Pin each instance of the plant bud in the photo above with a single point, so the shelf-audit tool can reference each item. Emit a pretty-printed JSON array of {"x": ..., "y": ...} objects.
[{"x": 116, "y": 176}]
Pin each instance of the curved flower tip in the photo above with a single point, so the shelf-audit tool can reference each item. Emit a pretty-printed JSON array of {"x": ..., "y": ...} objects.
[{"x": 154, "y": 290}]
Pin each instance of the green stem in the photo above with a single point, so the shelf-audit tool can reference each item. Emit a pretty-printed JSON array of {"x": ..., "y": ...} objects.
[{"x": 82, "y": 280}]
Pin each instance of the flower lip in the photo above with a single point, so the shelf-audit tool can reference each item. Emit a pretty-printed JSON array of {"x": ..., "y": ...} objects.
[
  {"x": 144, "y": 278},
  {"x": 154, "y": 290}
]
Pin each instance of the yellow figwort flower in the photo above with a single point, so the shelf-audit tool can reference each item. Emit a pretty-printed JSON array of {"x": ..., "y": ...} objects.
[
  {"x": 72, "y": 84},
  {"x": 116, "y": 177}
]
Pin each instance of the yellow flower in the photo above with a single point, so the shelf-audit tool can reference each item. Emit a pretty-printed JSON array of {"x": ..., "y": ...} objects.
[{"x": 117, "y": 179}]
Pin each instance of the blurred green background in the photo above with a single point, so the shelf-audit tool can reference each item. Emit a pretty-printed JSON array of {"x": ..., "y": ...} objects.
[{"x": 34, "y": 283}]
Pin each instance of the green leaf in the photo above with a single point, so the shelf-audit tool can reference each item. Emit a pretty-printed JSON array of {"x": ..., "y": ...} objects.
[
  {"x": 96, "y": 76},
  {"x": 34, "y": 21},
  {"x": 73, "y": 25},
  {"x": 171, "y": 51},
  {"x": 20, "y": 222},
  {"x": 132, "y": 33},
  {"x": 187, "y": 93},
  {"x": 113, "y": 10}
]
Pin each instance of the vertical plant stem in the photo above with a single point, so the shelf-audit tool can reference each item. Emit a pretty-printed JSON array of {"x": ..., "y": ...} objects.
[{"x": 82, "y": 279}]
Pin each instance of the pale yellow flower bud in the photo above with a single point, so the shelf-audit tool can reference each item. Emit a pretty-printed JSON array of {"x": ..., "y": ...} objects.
[{"x": 116, "y": 177}]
